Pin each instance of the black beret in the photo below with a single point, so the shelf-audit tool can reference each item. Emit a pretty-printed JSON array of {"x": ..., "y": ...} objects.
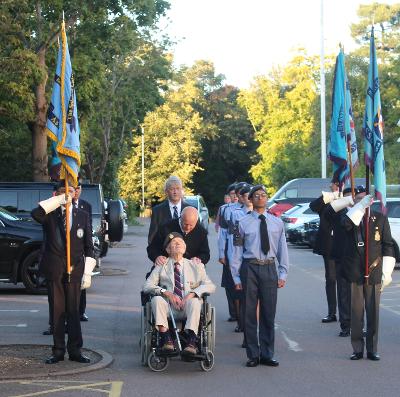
[
  {"x": 239, "y": 186},
  {"x": 170, "y": 237},
  {"x": 230, "y": 188},
  {"x": 256, "y": 188},
  {"x": 245, "y": 189},
  {"x": 359, "y": 189},
  {"x": 347, "y": 190},
  {"x": 61, "y": 183}
]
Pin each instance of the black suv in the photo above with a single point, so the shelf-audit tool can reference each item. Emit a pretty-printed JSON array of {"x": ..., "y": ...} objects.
[{"x": 17, "y": 199}]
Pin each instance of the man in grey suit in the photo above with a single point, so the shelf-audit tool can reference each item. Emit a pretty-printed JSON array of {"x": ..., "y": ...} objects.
[{"x": 170, "y": 208}]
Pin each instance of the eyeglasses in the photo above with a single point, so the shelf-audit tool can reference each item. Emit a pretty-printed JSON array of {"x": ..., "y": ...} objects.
[{"x": 259, "y": 196}]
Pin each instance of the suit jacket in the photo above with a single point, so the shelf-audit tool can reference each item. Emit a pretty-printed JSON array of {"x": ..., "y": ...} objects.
[
  {"x": 160, "y": 215},
  {"x": 323, "y": 241},
  {"x": 194, "y": 280},
  {"x": 380, "y": 245},
  {"x": 53, "y": 263},
  {"x": 196, "y": 242},
  {"x": 339, "y": 238},
  {"x": 85, "y": 206}
]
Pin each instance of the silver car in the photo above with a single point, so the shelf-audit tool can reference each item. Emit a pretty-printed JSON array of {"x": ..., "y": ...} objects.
[
  {"x": 297, "y": 215},
  {"x": 199, "y": 203}
]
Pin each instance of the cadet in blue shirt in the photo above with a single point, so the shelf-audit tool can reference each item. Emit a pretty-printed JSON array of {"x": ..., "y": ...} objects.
[{"x": 259, "y": 244}]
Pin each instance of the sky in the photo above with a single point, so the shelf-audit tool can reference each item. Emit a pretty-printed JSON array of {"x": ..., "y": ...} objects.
[{"x": 247, "y": 38}]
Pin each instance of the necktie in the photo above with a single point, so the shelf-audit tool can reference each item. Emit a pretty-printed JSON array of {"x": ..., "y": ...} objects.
[
  {"x": 177, "y": 279},
  {"x": 264, "y": 235},
  {"x": 175, "y": 212}
]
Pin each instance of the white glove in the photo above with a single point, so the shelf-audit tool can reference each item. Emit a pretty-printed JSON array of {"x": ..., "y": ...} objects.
[
  {"x": 356, "y": 213},
  {"x": 54, "y": 202},
  {"x": 328, "y": 197},
  {"x": 90, "y": 263},
  {"x": 388, "y": 264},
  {"x": 341, "y": 203}
]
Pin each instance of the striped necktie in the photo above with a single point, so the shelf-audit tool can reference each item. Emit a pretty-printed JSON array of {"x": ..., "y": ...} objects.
[
  {"x": 176, "y": 216},
  {"x": 177, "y": 279}
]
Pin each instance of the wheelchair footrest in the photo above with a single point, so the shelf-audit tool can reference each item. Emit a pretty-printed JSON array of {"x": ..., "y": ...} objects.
[
  {"x": 160, "y": 353},
  {"x": 192, "y": 357}
]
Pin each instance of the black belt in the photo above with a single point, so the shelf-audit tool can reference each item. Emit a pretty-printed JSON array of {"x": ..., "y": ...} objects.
[{"x": 261, "y": 262}]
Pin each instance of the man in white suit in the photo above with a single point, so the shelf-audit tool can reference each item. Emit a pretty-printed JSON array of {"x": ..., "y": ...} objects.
[{"x": 181, "y": 282}]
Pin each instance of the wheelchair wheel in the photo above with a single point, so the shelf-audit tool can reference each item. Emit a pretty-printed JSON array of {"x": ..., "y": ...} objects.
[
  {"x": 156, "y": 363},
  {"x": 146, "y": 331},
  {"x": 208, "y": 363},
  {"x": 211, "y": 329}
]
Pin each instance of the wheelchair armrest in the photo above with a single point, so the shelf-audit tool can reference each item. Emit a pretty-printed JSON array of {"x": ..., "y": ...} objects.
[{"x": 204, "y": 296}]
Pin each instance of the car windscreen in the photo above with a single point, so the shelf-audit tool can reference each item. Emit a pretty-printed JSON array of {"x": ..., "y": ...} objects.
[
  {"x": 93, "y": 197},
  {"x": 192, "y": 202}
]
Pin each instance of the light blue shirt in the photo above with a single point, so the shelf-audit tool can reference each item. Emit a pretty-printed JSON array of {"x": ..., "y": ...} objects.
[
  {"x": 236, "y": 214},
  {"x": 249, "y": 246},
  {"x": 225, "y": 213}
]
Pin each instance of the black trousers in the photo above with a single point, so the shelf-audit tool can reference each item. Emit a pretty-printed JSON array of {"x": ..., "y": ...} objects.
[
  {"x": 365, "y": 297},
  {"x": 343, "y": 297},
  {"x": 82, "y": 303},
  {"x": 330, "y": 284},
  {"x": 231, "y": 302},
  {"x": 65, "y": 297},
  {"x": 259, "y": 282},
  {"x": 51, "y": 306}
]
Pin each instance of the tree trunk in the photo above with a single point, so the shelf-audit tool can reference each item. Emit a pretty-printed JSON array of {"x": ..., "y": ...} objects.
[{"x": 39, "y": 137}]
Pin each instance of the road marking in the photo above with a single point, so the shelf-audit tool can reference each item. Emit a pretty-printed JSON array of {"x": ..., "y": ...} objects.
[
  {"x": 293, "y": 345},
  {"x": 114, "y": 391},
  {"x": 14, "y": 325},
  {"x": 17, "y": 310},
  {"x": 389, "y": 308}
]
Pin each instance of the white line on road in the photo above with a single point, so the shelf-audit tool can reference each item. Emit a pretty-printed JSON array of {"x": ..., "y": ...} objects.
[
  {"x": 10, "y": 310},
  {"x": 388, "y": 308},
  {"x": 14, "y": 325},
  {"x": 293, "y": 345}
]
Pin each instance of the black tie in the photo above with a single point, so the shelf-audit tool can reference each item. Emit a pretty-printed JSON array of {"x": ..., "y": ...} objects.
[
  {"x": 264, "y": 234},
  {"x": 175, "y": 212}
]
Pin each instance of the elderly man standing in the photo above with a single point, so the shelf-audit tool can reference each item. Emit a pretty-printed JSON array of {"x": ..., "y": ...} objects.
[
  {"x": 194, "y": 235},
  {"x": 181, "y": 283},
  {"x": 170, "y": 208},
  {"x": 260, "y": 244}
]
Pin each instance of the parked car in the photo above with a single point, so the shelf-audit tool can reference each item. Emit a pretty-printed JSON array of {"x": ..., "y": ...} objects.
[
  {"x": 20, "y": 243},
  {"x": 279, "y": 207},
  {"x": 295, "y": 234},
  {"x": 20, "y": 198},
  {"x": 199, "y": 203},
  {"x": 310, "y": 232},
  {"x": 297, "y": 215},
  {"x": 393, "y": 214}
]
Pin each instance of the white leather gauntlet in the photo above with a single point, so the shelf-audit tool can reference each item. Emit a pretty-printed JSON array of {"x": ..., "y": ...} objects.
[
  {"x": 328, "y": 197},
  {"x": 90, "y": 263},
  {"x": 54, "y": 202},
  {"x": 342, "y": 203},
  {"x": 356, "y": 213},
  {"x": 388, "y": 264}
]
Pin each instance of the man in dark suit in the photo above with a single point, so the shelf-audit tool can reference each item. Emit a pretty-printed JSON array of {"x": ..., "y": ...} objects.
[
  {"x": 194, "y": 235},
  {"x": 323, "y": 246},
  {"x": 85, "y": 206},
  {"x": 366, "y": 291},
  {"x": 64, "y": 290},
  {"x": 170, "y": 208}
]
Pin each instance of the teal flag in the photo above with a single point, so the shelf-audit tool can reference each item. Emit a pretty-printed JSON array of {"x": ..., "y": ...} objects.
[
  {"x": 62, "y": 116},
  {"x": 373, "y": 128}
]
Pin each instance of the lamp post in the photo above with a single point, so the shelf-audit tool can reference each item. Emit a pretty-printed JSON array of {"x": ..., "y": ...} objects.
[
  {"x": 143, "y": 207},
  {"x": 322, "y": 81}
]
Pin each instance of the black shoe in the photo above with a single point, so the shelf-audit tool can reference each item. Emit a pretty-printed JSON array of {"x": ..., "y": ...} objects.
[
  {"x": 252, "y": 362},
  {"x": 373, "y": 356},
  {"x": 232, "y": 319},
  {"x": 356, "y": 356},
  {"x": 84, "y": 317},
  {"x": 80, "y": 359},
  {"x": 54, "y": 359},
  {"x": 48, "y": 331},
  {"x": 330, "y": 318},
  {"x": 344, "y": 333},
  {"x": 238, "y": 329},
  {"x": 269, "y": 361}
]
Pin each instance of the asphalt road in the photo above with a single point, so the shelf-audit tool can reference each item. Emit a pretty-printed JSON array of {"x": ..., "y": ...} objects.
[{"x": 314, "y": 361}]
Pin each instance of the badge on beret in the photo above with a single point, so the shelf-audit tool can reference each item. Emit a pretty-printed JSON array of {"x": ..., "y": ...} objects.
[
  {"x": 377, "y": 235},
  {"x": 79, "y": 233},
  {"x": 170, "y": 236}
]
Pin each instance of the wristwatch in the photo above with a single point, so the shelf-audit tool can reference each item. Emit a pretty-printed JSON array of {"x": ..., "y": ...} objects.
[{"x": 162, "y": 290}]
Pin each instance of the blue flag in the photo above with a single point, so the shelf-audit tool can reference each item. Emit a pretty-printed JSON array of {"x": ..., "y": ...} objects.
[
  {"x": 373, "y": 128},
  {"x": 340, "y": 123},
  {"x": 351, "y": 133},
  {"x": 62, "y": 116}
]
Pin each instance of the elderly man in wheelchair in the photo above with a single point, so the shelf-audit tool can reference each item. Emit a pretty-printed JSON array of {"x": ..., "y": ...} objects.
[{"x": 177, "y": 289}]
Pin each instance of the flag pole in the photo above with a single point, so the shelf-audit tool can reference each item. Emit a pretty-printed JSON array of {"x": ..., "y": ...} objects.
[
  {"x": 67, "y": 227},
  {"x": 346, "y": 132}
]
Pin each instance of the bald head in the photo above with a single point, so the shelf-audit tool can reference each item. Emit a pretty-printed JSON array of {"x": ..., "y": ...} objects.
[{"x": 189, "y": 218}]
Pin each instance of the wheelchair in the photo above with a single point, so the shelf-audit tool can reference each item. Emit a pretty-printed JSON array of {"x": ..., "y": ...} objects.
[{"x": 157, "y": 360}]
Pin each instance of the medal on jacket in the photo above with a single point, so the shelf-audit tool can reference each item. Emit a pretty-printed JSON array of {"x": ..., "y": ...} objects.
[
  {"x": 377, "y": 235},
  {"x": 79, "y": 233}
]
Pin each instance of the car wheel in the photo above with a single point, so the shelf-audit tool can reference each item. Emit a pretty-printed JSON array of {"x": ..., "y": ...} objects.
[
  {"x": 115, "y": 221},
  {"x": 34, "y": 283}
]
